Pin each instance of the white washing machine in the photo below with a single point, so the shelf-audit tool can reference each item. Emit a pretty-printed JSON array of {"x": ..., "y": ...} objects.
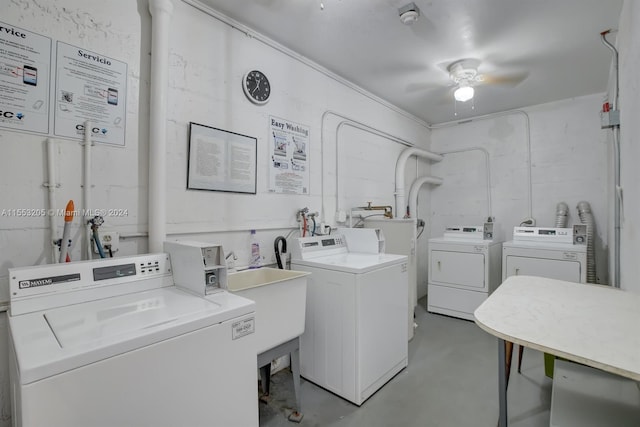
[
  {"x": 114, "y": 343},
  {"x": 355, "y": 337},
  {"x": 546, "y": 252},
  {"x": 464, "y": 269}
]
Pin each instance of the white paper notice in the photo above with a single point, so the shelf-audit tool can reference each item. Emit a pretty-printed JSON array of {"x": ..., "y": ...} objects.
[
  {"x": 90, "y": 86},
  {"x": 221, "y": 160},
  {"x": 289, "y": 152},
  {"x": 24, "y": 79}
]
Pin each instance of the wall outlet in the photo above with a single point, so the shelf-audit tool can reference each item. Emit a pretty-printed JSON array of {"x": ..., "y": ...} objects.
[{"x": 107, "y": 239}]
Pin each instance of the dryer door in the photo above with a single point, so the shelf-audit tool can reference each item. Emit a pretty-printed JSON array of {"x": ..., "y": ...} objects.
[
  {"x": 568, "y": 270},
  {"x": 460, "y": 269}
]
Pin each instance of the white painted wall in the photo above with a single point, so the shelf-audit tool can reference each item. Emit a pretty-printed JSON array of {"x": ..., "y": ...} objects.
[
  {"x": 208, "y": 59},
  {"x": 569, "y": 163},
  {"x": 628, "y": 44}
]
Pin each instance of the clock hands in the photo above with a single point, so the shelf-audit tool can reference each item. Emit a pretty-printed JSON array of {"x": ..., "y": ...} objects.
[{"x": 257, "y": 85}]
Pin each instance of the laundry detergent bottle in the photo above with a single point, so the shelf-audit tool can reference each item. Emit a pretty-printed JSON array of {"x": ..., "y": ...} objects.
[{"x": 254, "y": 260}]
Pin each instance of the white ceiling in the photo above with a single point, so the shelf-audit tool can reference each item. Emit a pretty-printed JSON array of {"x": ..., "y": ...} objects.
[{"x": 554, "y": 43}]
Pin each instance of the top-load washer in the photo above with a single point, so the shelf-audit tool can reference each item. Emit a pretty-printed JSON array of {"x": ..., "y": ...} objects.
[
  {"x": 355, "y": 337},
  {"x": 464, "y": 269},
  {"x": 556, "y": 253},
  {"x": 114, "y": 343}
]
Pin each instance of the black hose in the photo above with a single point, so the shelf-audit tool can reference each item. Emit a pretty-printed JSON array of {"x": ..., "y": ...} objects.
[{"x": 277, "y": 250}]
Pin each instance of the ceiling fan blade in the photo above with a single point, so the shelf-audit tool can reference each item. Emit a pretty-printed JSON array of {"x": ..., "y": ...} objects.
[
  {"x": 421, "y": 87},
  {"x": 446, "y": 98},
  {"x": 512, "y": 79}
]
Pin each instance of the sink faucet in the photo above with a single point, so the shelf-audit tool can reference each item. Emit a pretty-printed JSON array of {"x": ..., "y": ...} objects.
[{"x": 231, "y": 265}]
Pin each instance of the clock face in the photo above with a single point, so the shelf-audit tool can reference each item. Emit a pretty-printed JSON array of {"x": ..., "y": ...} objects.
[{"x": 256, "y": 86}]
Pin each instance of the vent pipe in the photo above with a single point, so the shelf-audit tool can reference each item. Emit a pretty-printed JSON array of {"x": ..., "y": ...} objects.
[
  {"x": 562, "y": 215},
  {"x": 401, "y": 205},
  {"x": 586, "y": 217}
]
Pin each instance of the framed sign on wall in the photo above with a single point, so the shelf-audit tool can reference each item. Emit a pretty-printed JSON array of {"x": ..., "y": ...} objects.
[{"x": 221, "y": 160}]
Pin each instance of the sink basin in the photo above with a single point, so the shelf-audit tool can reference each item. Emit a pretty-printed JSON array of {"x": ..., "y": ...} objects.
[{"x": 281, "y": 298}]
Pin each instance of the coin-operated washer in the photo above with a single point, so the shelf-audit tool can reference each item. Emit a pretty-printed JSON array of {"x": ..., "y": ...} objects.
[
  {"x": 115, "y": 342},
  {"x": 355, "y": 337},
  {"x": 201, "y": 267}
]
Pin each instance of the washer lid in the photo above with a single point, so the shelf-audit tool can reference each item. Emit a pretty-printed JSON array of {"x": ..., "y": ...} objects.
[
  {"x": 57, "y": 340},
  {"x": 353, "y": 262}
]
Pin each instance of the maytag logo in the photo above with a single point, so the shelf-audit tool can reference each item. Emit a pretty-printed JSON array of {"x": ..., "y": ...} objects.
[
  {"x": 33, "y": 283},
  {"x": 46, "y": 281}
]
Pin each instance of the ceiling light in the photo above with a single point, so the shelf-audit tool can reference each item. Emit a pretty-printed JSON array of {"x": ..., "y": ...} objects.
[
  {"x": 463, "y": 93},
  {"x": 409, "y": 14}
]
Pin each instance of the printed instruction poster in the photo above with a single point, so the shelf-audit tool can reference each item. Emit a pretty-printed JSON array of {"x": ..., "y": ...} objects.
[
  {"x": 25, "y": 59},
  {"x": 90, "y": 86},
  {"x": 221, "y": 160},
  {"x": 289, "y": 157}
]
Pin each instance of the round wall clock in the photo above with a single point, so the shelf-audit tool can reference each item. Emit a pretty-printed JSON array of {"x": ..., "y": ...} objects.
[{"x": 256, "y": 86}]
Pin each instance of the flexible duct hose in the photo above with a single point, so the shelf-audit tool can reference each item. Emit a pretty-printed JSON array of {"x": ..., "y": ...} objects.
[
  {"x": 586, "y": 217},
  {"x": 562, "y": 215}
]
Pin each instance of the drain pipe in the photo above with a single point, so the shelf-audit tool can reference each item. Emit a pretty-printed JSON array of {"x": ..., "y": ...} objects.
[
  {"x": 413, "y": 192},
  {"x": 616, "y": 165},
  {"x": 161, "y": 11},
  {"x": 51, "y": 188},
  {"x": 401, "y": 164}
]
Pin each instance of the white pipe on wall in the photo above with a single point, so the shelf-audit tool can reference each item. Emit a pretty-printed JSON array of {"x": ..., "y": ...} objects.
[
  {"x": 51, "y": 187},
  {"x": 365, "y": 129},
  {"x": 413, "y": 192},
  {"x": 617, "y": 188},
  {"x": 530, "y": 220},
  {"x": 161, "y": 11},
  {"x": 400, "y": 168},
  {"x": 487, "y": 168},
  {"x": 86, "y": 185}
]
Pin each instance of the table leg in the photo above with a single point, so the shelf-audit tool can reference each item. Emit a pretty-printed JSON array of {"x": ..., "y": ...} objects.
[
  {"x": 508, "y": 346},
  {"x": 502, "y": 383}
]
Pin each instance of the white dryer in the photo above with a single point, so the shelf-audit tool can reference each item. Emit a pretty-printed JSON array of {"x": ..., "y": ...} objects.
[
  {"x": 355, "y": 337},
  {"x": 546, "y": 252},
  {"x": 114, "y": 343},
  {"x": 464, "y": 269}
]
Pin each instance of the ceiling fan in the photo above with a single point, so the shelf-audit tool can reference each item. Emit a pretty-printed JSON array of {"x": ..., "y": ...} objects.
[{"x": 464, "y": 74}]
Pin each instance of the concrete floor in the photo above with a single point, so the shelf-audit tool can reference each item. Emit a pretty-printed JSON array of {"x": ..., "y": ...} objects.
[{"x": 451, "y": 381}]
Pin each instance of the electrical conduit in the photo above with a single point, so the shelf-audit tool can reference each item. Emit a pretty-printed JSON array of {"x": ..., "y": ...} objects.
[
  {"x": 366, "y": 129},
  {"x": 617, "y": 211},
  {"x": 161, "y": 11},
  {"x": 529, "y": 220},
  {"x": 487, "y": 166}
]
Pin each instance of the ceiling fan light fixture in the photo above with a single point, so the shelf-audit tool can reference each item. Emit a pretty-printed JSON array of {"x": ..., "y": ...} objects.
[{"x": 464, "y": 93}]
